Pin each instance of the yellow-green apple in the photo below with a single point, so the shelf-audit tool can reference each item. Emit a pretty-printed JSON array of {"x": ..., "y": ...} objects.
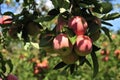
[
  {"x": 83, "y": 45},
  {"x": 70, "y": 59},
  {"x": 78, "y": 24},
  {"x": 11, "y": 77},
  {"x": 62, "y": 45}
]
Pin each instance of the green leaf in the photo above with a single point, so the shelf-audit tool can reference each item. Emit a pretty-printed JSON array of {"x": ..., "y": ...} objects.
[
  {"x": 72, "y": 39},
  {"x": 45, "y": 40},
  {"x": 107, "y": 32},
  {"x": 72, "y": 68},
  {"x": 1, "y": 57},
  {"x": 93, "y": 28},
  {"x": 53, "y": 12},
  {"x": 55, "y": 3},
  {"x": 105, "y": 7},
  {"x": 9, "y": 13},
  {"x": 106, "y": 23},
  {"x": 95, "y": 64},
  {"x": 9, "y": 62},
  {"x": 82, "y": 60},
  {"x": 44, "y": 18},
  {"x": 59, "y": 65},
  {"x": 85, "y": 5},
  {"x": 111, "y": 16},
  {"x": 88, "y": 63},
  {"x": 66, "y": 4},
  {"x": 3, "y": 66},
  {"x": 95, "y": 48},
  {"x": 36, "y": 45},
  {"x": 59, "y": 3}
]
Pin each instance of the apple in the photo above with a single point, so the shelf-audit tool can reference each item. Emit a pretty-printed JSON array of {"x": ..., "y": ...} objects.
[
  {"x": 83, "y": 45},
  {"x": 4, "y": 19},
  {"x": 78, "y": 24},
  {"x": 70, "y": 59},
  {"x": 105, "y": 44},
  {"x": 43, "y": 64},
  {"x": 60, "y": 23},
  {"x": 106, "y": 58},
  {"x": 114, "y": 36},
  {"x": 95, "y": 36},
  {"x": 94, "y": 24},
  {"x": 33, "y": 28},
  {"x": 62, "y": 45},
  {"x": 11, "y": 77},
  {"x": 117, "y": 52},
  {"x": 36, "y": 70}
]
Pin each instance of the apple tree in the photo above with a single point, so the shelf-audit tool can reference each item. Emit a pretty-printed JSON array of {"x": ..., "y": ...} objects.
[{"x": 69, "y": 31}]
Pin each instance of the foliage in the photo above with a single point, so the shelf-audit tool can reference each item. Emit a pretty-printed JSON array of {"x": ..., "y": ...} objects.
[{"x": 27, "y": 39}]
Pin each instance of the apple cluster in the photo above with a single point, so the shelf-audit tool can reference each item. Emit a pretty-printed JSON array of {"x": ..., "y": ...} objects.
[
  {"x": 83, "y": 44},
  {"x": 105, "y": 53},
  {"x": 40, "y": 66}
]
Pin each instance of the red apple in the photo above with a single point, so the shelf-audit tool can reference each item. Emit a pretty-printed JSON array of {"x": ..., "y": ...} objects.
[
  {"x": 60, "y": 23},
  {"x": 106, "y": 58},
  {"x": 83, "y": 45},
  {"x": 78, "y": 24},
  {"x": 5, "y": 19},
  {"x": 62, "y": 45},
  {"x": 11, "y": 77},
  {"x": 70, "y": 59},
  {"x": 117, "y": 52}
]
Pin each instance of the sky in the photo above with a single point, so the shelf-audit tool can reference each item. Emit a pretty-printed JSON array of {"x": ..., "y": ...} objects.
[{"x": 16, "y": 10}]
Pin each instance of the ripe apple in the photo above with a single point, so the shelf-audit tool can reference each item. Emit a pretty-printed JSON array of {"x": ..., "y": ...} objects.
[
  {"x": 11, "y": 77},
  {"x": 62, "y": 45},
  {"x": 117, "y": 52},
  {"x": 106, "y": 58},
  {"x": 83, "y": 45},
  {"x": 114, "y": 36},
  {"x": 32, "y": 28},
  {"x": 43, "y": 64},
  {"x": 60, "y": 23},
  {"x": 78, "y": 24},
  {"x": 70, "y": 59},
  {"x": 36, "y": 70},
  {"x": 4, "y": 19}
]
